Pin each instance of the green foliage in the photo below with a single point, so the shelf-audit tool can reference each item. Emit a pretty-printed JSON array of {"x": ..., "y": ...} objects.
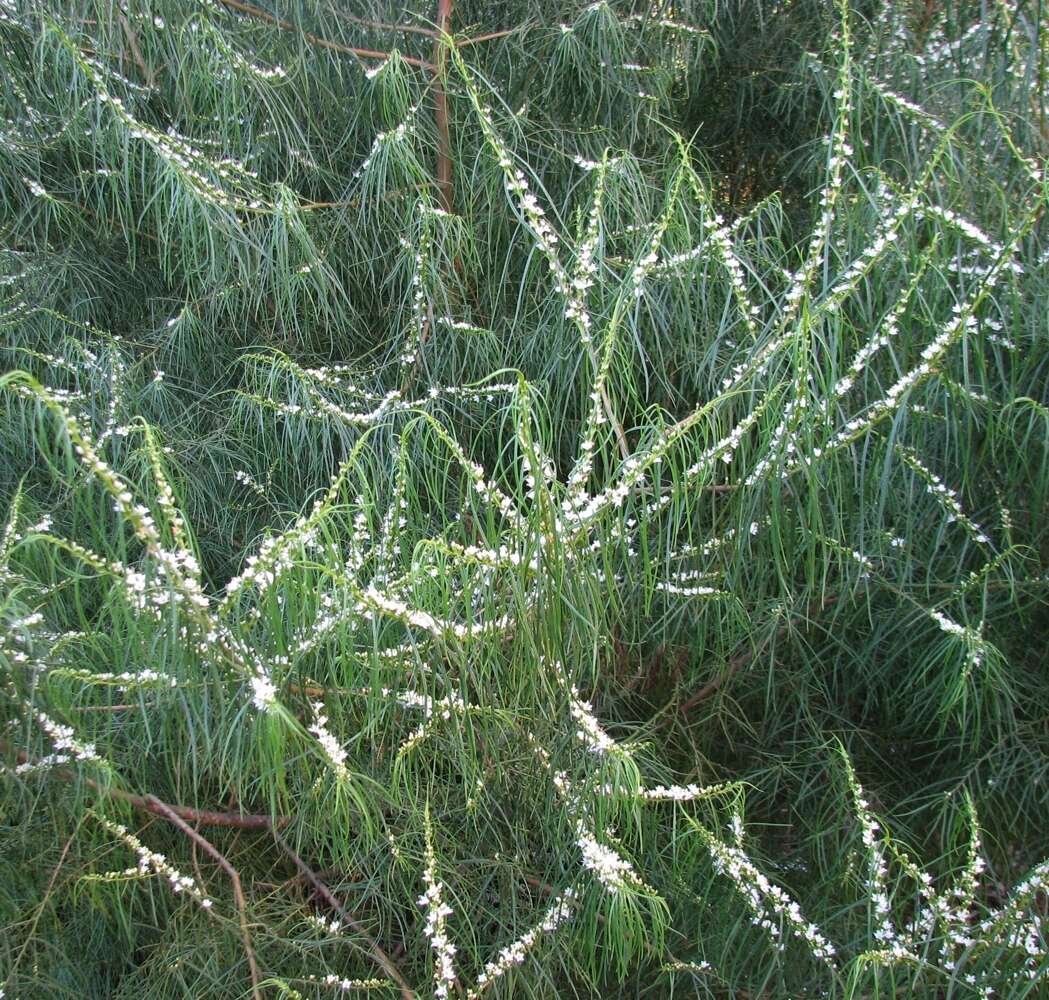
[{"x": 622, "y": 573}]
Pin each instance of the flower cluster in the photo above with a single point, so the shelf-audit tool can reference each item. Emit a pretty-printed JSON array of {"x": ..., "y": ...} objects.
[
  {"x": 333, "y": 751},
  {"x": 151, "y": 861},
  {"x": 589, "y": 730},
  {"x": 770, "y": 905},
  {"x": 945, "y": 496},
  {"x": 383, "y": 139},
  {"x": 63, "y": 738},
  {"x": 324, "y": 924},
  {"x": 683, "y": 793},
  {"x": 437, "y": 914},
  {"x": 876, "y": 885},
  {"x": 610, "y": 868},
  {"x": 345, "y": 984},
  {"x": 586, "y": 266},
  {"x": 263, "y": 692},
  {"x": 126, "y": 679},
  {"x": 514, "y": 954},
  {"x": 227, "y": 184}
]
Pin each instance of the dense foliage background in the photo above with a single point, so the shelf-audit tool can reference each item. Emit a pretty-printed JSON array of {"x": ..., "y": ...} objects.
[{"x": 523, "y": 499}]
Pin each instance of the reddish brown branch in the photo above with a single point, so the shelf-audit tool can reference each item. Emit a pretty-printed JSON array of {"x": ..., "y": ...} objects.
[
  {"x": 163, "y": 809},
  {"x": 416, "y": 29},
  {"x": 325, "y": 43},
  {"x": 463, "y": 42},
  {"x": 440, "y": 96},
  {"x": 147, "y": 803},
  {"x": 381, "y": 958},
  {"x": 734, "y": 666},
  {"x": 205, "y": 817}
]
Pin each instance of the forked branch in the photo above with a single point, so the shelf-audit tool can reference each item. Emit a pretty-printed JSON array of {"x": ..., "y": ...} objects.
[
  {"x": 163, "y": 809},
  {"x": 149, "y": 803},
  {"x": 252, "y": 11}
]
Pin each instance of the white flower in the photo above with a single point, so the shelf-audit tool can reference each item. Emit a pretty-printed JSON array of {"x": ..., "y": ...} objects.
[
  {"x": 264, "y": 693},
  {"x": 611, "y": 868}
]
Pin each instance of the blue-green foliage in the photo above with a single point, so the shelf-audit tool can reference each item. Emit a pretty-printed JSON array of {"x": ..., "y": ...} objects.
[{"x": 625, "y": 577}]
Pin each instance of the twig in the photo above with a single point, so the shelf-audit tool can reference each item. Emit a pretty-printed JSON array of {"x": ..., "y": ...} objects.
[
  {"x": 440, "y": 96},
  {"x": 107, "y": 708},
  {"x": 238, "y": 893},
  {"x": 741, "y": 660},
  {"x": 463, "y": 42},
  {"x": 307, "y": 206},
  {"x": 380, "y": 956},
  {"x": 205, "y": 817},
  {"x": 734, "y": 665},
  {"x": 252, "y": 11},
  {"x": 418, "y": 29},
  {"x": 10, "y": 974},
  {"x": 383, "y": 25},
  {"x": 136, "y": 52}
]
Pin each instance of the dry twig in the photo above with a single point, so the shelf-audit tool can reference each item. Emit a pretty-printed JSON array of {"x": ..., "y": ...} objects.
[
  {"x": 136, "y": 52},
  {"x": 205, "y": 817},
  {"x": 739, "y": 661},
  {"x": 381, "y": 958},
  {"x": 163, "y": 809},
  {"x": 252, "y": 11}
]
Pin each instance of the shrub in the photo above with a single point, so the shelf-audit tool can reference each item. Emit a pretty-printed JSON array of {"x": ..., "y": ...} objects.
[{"x": 487, "y": 489}]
